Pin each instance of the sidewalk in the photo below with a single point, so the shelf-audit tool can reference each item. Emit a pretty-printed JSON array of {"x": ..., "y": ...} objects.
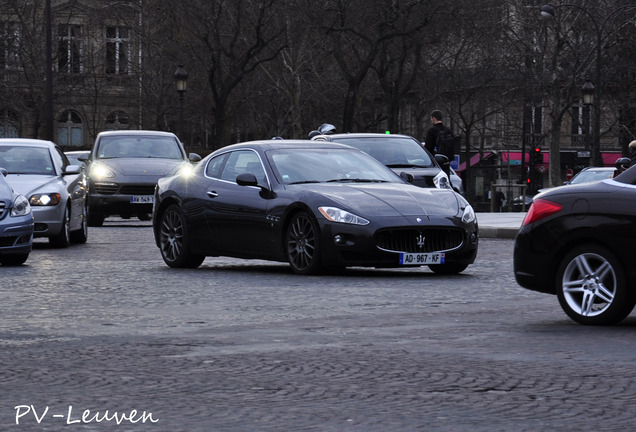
[{"x": 499, "y": 225}]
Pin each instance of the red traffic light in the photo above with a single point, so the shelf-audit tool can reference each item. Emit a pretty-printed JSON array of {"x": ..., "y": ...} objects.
[{"x": 537, "y": 149}]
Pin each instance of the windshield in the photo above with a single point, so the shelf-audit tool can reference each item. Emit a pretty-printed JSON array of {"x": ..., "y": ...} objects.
[
  {"x": 138, "y": 147},
  {"x": 394, "y": 152},
  {"x": 294, "y": 166},
  {"x": 26, "y": 160},
  {"x": 590, "y": 176}
]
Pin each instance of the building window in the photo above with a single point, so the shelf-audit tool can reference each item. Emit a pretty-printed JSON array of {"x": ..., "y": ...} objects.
[
  {"x": 70, "y": 130},
  {"x": 117, "y": 120},
  {"x": 9, "y": 124},
  {"x": 69, "y": 50},
  {"x": 117, "y": 50},
  {"x": 9, "y": 45}
]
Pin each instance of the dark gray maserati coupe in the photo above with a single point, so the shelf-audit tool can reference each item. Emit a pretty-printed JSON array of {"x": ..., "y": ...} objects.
[{"x": 316, "y": 205}]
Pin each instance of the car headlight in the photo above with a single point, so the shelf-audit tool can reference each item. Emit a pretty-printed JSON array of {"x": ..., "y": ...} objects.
[
  {"x": 186, "y": 170},
  {"x": 468, "y": 216},
  {"x": 21, "y": 206},
  {"x": 45, "y": 199},
  {"x": 99, "y": 171},
  {"x": 441, "y": 181},
  {"x": 335, "y": 214}
]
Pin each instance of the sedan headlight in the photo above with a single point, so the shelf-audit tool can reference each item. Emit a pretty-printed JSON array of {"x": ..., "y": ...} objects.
[
  {"x": 335, "y": 214},
  {"x": 441, "y": 181},
  {"x": 21, "y": 206},
  {"x": 45, "y": 199},
  {"x": 99, "y": 171},
  {"x": 469, "y": 215}
]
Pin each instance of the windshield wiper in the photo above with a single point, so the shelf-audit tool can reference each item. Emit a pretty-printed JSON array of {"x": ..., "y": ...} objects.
[
  {"x": 356, "y": 180},
  {"x": 304, "y": 182},
  {"x": 407, "y": 166}
]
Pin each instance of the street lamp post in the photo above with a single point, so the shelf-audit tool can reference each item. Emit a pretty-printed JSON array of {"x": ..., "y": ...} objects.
[
  {"x": 181, "y": 80},
  {"x": 548, "y": 11}
]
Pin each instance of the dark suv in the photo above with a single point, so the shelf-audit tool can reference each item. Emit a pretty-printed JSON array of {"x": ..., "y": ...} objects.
[
  {"x": 402, "y": 153},
  {"x": 124, "y": 167}
]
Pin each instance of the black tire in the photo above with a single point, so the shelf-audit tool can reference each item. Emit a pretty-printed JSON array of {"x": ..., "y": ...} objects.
[
  {"x": 302, "y": 244},
  {"x": 446, "y": 269},
  {"x": 592, "y": 287},
  {"x": 95, "y": 219},
  {"x": 81, "y": 235},
  {"x": 63, "y": 238},
  {"x": 173, "y": 240},
  {"x": 13, "y": 260}
]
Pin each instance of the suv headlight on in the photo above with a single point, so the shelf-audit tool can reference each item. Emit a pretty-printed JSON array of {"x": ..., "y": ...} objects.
[
  {"x": 441, "y": 181},
  {"x": 99, "y": 171},
  {"x": 21, "y": 206}
]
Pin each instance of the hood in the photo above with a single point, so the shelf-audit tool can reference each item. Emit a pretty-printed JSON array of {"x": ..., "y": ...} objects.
[
  {"x": 143, "y": 166},
  {"x": 27, "y": 184},
  {"x": 388, "y": 199}
]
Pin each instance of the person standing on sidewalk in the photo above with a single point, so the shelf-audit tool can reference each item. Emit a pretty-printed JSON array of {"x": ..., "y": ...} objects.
[{"x": 440, "y": 139}]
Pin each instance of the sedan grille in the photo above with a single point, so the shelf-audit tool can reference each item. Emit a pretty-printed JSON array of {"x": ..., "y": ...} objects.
[
  {"x": 412, "y": 240},
  {"x": 2, "y": 209}
]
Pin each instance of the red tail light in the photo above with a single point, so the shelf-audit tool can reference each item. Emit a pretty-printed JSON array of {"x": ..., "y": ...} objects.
[{"x": 540, "y": 209}]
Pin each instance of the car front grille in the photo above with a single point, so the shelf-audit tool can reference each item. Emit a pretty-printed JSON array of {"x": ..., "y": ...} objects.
[
  {"x": 138, "y": 190},
  {"x": 106, "y": 188},
  {"x": 113, "y": 188},
  {"x": 2, "y": 209},
  {"x": 413, "y": 240},
  {"x": 425, "y": 182}
]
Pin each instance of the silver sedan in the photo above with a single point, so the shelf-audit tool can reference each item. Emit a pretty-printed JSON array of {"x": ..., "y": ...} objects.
[{"x": 56, "y": 190}]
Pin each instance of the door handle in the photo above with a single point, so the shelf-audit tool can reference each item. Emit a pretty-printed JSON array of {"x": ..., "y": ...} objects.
[{"x": 212, "y": 194}]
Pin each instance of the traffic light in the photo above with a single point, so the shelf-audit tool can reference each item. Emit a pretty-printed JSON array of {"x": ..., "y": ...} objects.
[{"x": 536, "y": 157}]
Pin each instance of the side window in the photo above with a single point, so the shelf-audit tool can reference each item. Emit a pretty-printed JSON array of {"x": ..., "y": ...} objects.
[
  {"x": 214, "y": 166},
  {"x": 240, "y": 162}
]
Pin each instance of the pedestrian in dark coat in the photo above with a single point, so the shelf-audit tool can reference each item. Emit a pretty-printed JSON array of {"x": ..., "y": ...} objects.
[{"x": 632, "y": 153}]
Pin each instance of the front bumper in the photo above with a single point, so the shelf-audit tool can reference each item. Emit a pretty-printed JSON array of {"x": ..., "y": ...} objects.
[
  {"x": 16, "y": 236},
  {"x": 116, "y": 199},
  {"x": 48, "y": 220},
  {"x": 348, "y": 245}
]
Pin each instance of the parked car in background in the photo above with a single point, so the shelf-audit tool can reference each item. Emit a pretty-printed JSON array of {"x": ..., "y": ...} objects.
[
  {"x": 316, "y": 205},
  {"x": 124, "y": 167},
  {"x": 401, "y": 153},
  {"x": 78, "y": 157},
  {"x": 56, "y": 190},
  {"x": 16, "y": 224},
  {"x": 590, "y": 174},
  {"x": 577, "y": 242}
]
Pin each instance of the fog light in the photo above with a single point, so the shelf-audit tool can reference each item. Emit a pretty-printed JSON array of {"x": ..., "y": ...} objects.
[{"x": 338, "y": 239}]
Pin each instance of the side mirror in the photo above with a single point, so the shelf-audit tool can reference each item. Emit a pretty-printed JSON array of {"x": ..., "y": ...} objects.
[
  {"x": 72, "y": 169},
  {"x": 194, "y": 157},
  {"x": 246, "y": 179},
  {"x": 407, "y": 177},
  {"x": 4, "y": 172},
  {"x": 442, "y": 159}
]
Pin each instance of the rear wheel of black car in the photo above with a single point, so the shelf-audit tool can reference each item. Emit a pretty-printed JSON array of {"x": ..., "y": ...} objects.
[
  {"x": 173, "y": 240},
  {"x": 446, "y": 269},
  {"x": 592, "y": 286},
  {"x": 303, "y": 245}
]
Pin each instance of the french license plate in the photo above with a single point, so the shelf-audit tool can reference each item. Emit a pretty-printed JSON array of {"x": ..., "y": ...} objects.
[
  {"x": 422, "y": 258},
  {"x": 142, "y": 199}
]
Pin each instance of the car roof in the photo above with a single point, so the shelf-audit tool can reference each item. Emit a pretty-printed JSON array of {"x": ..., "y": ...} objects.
[
  {"x": 136, "y": 132},
  {"x": 365, "y": 135},
  {"x": 286, "y": 144},
  {"x": 27, "y": 142}
]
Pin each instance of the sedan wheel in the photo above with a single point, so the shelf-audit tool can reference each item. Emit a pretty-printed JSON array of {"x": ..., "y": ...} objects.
[
  {"x": 13, "y": 260},
  {"x": 303, "y": 246},
  {"x": 63, "y": 239},
  {"x": 173, "y": 240},
  {"x": 81, "y": 235},
  {"x": 447, "y": 269},
  {"x": 592, "y": 288}
]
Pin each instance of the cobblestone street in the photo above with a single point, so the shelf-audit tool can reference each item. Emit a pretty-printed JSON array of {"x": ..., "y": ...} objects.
[{"x": 249, "y": 346}]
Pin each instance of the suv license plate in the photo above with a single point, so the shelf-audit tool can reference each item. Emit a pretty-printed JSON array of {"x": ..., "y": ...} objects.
[
  {"x": 142, "y": 199},
  {"x": 422, "y": 258}
]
